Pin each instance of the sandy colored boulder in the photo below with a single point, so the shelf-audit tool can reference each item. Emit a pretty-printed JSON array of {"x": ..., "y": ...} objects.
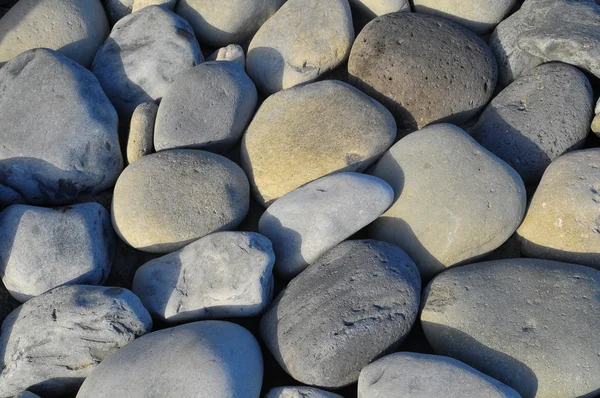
[{"x": 141, "y": 131}]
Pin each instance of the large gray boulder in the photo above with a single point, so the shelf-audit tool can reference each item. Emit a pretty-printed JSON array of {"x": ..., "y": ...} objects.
[
  {"x": 58, "y": 131},
  {"x": 356, "y": 302},
  {"x": 51, "y": 343}
]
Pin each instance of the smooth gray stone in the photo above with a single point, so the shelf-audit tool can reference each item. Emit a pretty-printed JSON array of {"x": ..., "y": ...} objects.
[
  {"x": 357, "y": 301},
  {"x": 42, "y": 248},
  {"x": 222, "y": 275},
  {"x": 51, "y": 343},
  {"x": 207, "y": 107},
  {"x": 143, "y": 54},
  {"x": 540, "y": 116},
  {"x": 407, "y": 374},
  {"x": 314, "y": 218},
  {"x": 525, "y": 322},
  {"x": 300, "y": 392},
  {"x": 208, "y": 359},
  {"x": 58, "y": 131}
]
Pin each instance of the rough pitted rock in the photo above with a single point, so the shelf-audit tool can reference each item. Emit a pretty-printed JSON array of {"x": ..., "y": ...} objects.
[
  {"x": 307, "y": 132},
  {"x": 302, "y": 41},
  {"x": 541, "y": 115},
  {"x": 455, "y": 201},
  {"x": 142, "y": 55},
  {"x": 207, "y": 107},
  {"x": 300, "y": 392},
  {"x": 232, "y": 52},
  {"x": 407, "y": 374},
  {"x": 117, "y": 9},
  {"x": 525, "y": 322},
  {"x": 169, "y": 199},
  {"x": 548, "y": 30},
  {"x": 209, "y": 359},
  {"x": 314, "y": 218},
  {"x": 43, "y": 248},
  {"x": 424, "y": 68},
  {"x": 223, "y": 275},
  {"x": 364, "y": 11},
  {"x": 58, "y": 131},
  {"x": 75, "y": 28},
  {"x": 356, "y": 302},
  {"x": 141, "y": 131},
  {"x": 51, "y": 343},
  {"x": 563, "y": 218}
]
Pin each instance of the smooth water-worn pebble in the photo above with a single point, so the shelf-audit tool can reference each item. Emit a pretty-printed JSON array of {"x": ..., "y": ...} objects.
[
  {"x": 563, "y": 218},
  {"x": 43, "y": 248},
  {"x": 209, "y": 359},
  {"x": 207, "y": 107},
  {"x": 479, "y": 16},
  {"x": 525, "y": 322},
  {"x": 75, "y": 28},
  {"x": 141, "y": 131},
  {"x": 357, "y": 301},
  {"x": 225, "y": 274},
  {"x": 143, "y": 54},
  {"x": 455, "y": 201},
  {"x": 541, "y": 115},
  {"x": 312, "y": 219},
  {"x": 51, "y": 343},
  {"x": 168, "y": 199},
  {"x": 300, "y": 392},
  {"x": 407, "y": 374},
  {"x": 233, "y": 53},
  {"x": 363, "y": 11},
  {"x": 219, "y": 23},
  {"x": 58, "y": 131},
  {"x": 303, "y": 40},
  {"x": 423, "y": 68},
  {"x": 307, "y": 132}
]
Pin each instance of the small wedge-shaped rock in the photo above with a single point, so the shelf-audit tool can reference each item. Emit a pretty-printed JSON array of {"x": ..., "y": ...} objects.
[
  {"x": 407, "y": 374},
  {"x": 141, "y": 131},
  {"x": 51, "y": 343},
  {"x": 357, "y": 301},
  {"x": 208, "y": 359},
  {"x": 225, "y": 274},
  {"x": 525, "y": 322},
  {"x": 363, "y": 11},
  {"x": 232, "y": 52},
  {"x": 303, "y": 40},
  {"x": 142, "y": 55},
  {"x": 312, "y": 219},
  {"x": 58, "y": 131},
  {"x": 117, "y": 9},
  {"x": 42, "y": 248},
  {"x": 300, "y": 392},
  {"x": 596, "y": 121}
]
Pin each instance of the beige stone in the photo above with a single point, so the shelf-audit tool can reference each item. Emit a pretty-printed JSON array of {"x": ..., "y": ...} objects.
[
  {"x": 139, "y": 4},
  {"x": 232, "y": 53},
  {"x": 141, "y": 131}
]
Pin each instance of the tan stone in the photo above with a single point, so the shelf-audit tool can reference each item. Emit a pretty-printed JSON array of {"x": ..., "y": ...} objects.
[
  {"x": 141, "y": 131},
  {"x": 139, "y": 4}
]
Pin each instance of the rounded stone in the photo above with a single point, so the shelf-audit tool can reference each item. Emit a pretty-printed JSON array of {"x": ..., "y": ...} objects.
[
  {"x": 302, "y": 41},
  {"x": 423, "y": 68},
  {"x": 307, "y": 132},
  {"x": 563, "y": 218},
  {"x": 141, "y": 131},
  {"x": 43, "y": 248},
  {"x": 300, "y": 392},
  {"x": 363, "y": 11},
  {"x": 58, "y": 131},
  {"x": 314, "y": 218},
  {"x": 408, "y": 374},
  {"x": 207, "y": 107},
  {"x": 74, "y": 28},
  {"x": 209, "y": 359},
  {"x": 139, "y": 4},
  {"x": 117, "y": 9},
  {"x": 525, "y": 322},
  {"x": 455, "y": 201},
  {"x": 232, "y": 52},
  {"x": 169, "y": 199},
  {"x": 357, "y": 301}
]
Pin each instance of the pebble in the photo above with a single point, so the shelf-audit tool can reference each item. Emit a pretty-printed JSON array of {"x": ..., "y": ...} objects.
[
  {"x": 58, "y": 131},
  {"x": 363, "y": 11},
  {"x": 43, "y": 248},
  {"x": 166, "y": 200},
  {"x": 525, "y": 322},
  {"x": 51, "y": 343},
  {"x": 302, "y": 41},
  {"x": 141, "y": 131},
  {"x": 307, "y": 132},
  {"x": 596, "y": 121},
  {"x": 357, "y": 301},
  {"x": 207, "y": 107},
  {"x": 142, "y": 55},
  {"x": 232, "y": 52},
  {"x": 213, "y": 359},
  {"x": 223, "y": 275},
  {"x": 75, "y": 28},
  {"x": 117, "y": 9},
  {"x": 541, "y": 115},
  {"x": 166, "y": 4},
  {"x": 455, "y": 201},
  {"x": 300, "y": 392},
  {"x": 423, "y": 68},
  {"x": 314, "y": 218},
  {"x": 563, "y": 218}
]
